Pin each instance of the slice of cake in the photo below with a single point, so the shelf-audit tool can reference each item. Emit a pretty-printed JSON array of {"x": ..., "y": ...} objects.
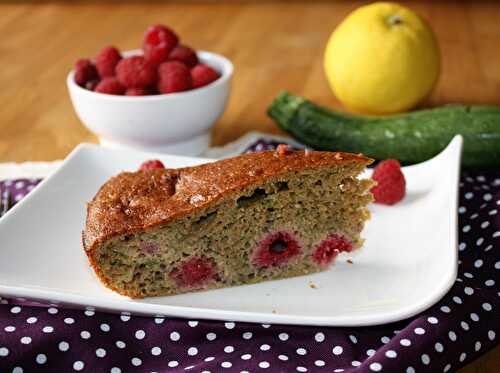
[{"x": 242, "y": 220}]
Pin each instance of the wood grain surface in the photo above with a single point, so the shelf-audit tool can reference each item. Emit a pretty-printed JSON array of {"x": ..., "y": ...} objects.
[{"x": 273, "y": 45}]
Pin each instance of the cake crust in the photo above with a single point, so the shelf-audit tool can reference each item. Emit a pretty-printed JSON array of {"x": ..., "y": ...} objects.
[{"x": 134, "y": 201}]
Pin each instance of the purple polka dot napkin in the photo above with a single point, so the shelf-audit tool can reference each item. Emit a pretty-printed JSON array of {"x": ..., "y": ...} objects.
[{"x": 458, "y": 329}]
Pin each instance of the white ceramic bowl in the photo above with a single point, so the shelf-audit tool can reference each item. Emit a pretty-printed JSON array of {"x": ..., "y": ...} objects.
[{"x": 176, "y": 123}]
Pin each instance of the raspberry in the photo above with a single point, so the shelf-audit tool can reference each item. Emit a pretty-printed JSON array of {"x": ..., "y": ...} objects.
[
  {"x": 329, "y": 248},
  {"x": 156, "y": 54},
  {"x": 391, "y": 183},
  {"x": 138, "y": 92},
  {"x": 194, "y": 271},
  {"x": 158, "y": 43},
  {"x": 203, "y": 75},
  {"x": 160, "y": 34},
  {"x": 148, "y": 247},
  {"x": 84, "y": 72},
  {"x": 173, "y": 77},
  {"x": 111, "y": 86},
  {"x": 183, "y": 54},
  {"x": 91, "y": 84},
  {"x": 151, "y": 164},
  {"x": 135, "y": 72},
  {"x": 106, "y": 61},
  {"x": 276, "y": 249}
]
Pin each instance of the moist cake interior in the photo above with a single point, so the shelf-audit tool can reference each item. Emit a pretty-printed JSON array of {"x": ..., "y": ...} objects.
[{"x": 289, "y": 225}]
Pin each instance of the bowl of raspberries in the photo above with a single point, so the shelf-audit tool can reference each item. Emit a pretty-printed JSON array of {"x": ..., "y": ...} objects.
[{"x": 164, "y": 97}]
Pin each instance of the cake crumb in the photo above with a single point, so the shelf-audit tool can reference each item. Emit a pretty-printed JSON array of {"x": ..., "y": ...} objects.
[
  {"x": 256, "y": 172},
  {"x": 283, "y": 149},
  {"x": 312, "y": 285},
  {"x": 350, "y": 261},
  {"x": 338, "y": 156},
  {"x": 196, "y": 198}
]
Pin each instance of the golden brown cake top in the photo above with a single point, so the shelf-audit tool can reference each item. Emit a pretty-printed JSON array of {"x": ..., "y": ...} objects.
[{"x": 132, "y": 201}]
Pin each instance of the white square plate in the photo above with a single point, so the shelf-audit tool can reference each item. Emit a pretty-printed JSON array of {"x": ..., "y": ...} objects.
[{"x": 408, "y": 263}]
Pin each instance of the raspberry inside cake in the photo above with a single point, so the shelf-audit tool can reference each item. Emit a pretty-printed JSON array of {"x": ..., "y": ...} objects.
[{"x": 247, "y": 219}]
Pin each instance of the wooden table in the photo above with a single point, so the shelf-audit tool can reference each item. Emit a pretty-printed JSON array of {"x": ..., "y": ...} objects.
[{"x": 273, "y": 45}]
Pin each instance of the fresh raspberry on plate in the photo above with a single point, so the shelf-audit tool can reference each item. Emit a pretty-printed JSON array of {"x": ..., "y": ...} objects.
[
  {"x": 137, "y": 91},
  {"x": 173, "y": 76},
  {"x": 111, "y": 86},
  {"x": 158, "y": 43},
  {"x": 135, "y": 72},
  {"x": 202, "y": 75},
  {"x": 391, "y": 184},
  {"x": 106, "y": 61},
  {"x": 151, "y": 164},
  {"x": 183, "y": 54},
  {"x": 85, "y": 71}
]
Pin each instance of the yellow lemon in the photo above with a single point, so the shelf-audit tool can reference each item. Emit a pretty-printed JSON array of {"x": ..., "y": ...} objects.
[{"x": 383, "y": 58}]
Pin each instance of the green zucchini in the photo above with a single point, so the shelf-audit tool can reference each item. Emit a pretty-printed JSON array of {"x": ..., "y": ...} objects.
[{"x": 411, "y": 137}]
